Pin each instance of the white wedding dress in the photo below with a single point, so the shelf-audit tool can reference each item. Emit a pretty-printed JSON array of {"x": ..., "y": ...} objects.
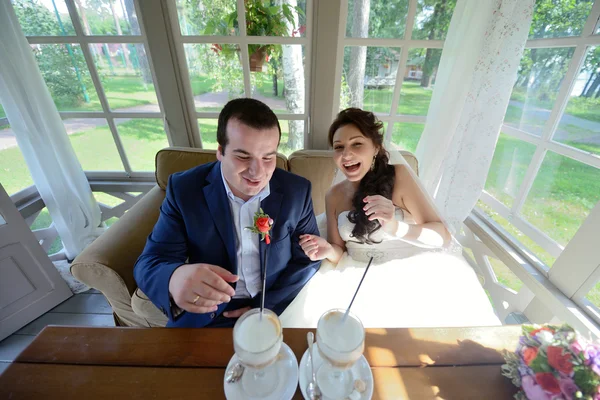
[{"x": 406, "y": 286}]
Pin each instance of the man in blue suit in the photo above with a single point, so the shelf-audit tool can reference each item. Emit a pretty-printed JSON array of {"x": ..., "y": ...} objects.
[{"x": 201, "y": 266}]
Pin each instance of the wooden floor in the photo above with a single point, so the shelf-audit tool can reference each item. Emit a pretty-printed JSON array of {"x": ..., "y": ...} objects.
[{"x": 84, "y": 309}]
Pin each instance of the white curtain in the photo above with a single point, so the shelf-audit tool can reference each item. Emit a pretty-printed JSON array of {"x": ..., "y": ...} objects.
[
  {"x": 477, "y": 71},
  {"x": 43, "y": 140}
]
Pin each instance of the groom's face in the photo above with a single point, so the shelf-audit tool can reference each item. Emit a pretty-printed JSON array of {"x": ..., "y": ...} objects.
[{"x": 249, "y": 159}]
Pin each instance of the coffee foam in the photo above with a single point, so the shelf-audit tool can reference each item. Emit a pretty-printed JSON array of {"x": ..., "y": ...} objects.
[
  {"x": 257, "y": 334},
  {"x": 341, "y": 343},
  {"x": 341, "y": 336}
]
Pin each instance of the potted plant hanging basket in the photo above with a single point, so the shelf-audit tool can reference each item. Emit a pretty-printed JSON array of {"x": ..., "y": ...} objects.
[{"x": 257, "y": 59}]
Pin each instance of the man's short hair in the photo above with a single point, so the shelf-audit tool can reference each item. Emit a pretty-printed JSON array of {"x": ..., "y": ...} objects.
[{"x": 251, "y": 112}]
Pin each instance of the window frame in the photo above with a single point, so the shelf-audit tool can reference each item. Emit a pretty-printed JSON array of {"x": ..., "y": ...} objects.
[
  {"x": 243, "y": 40},
  {"x": 83, "y": 40}
]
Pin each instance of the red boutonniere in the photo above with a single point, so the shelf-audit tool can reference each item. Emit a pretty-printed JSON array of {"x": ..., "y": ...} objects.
[{"x": 262, "y": 225}]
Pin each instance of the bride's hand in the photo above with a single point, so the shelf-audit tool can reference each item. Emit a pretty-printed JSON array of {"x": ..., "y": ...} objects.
[
  {"x": 380, "y": 208},
  {"x": 315, "y": 247}
]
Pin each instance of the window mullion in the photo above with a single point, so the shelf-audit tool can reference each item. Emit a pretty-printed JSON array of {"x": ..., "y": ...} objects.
[
  {"x": 168, "y": 71},
  {"x": 241, "y": 10},
  {"x": 88, "y": 57},
  {"x": 562, "y": 98},
  {"x": 119, "y": 144},
  {"x": 328, "y": 55},
  {"x": 532, "y": 170},
  {"x": 412, "y": 10},
  {"x": 590, "y": 24}
]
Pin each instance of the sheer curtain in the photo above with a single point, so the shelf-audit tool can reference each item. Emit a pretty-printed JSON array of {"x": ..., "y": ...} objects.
[
  {"x": 477, "y": 71},
  {"x": 43, "y": 140}
]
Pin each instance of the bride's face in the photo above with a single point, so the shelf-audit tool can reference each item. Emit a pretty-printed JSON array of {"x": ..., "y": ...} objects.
[{"x": 353, "y": 152}]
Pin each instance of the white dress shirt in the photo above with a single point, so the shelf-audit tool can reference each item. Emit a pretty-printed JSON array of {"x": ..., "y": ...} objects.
[{"x": 247, "y": 250}]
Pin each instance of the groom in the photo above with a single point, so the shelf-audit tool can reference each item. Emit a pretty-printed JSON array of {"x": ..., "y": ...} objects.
[{"x": 201, "y": 266}]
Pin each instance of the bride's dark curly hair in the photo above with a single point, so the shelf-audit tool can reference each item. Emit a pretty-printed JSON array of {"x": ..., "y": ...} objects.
[{"x": 379, "y": 180}]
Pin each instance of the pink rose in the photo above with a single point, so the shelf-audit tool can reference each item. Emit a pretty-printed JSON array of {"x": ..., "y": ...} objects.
[
  {"x": 533, "y": 390},
  {"x": 576, "y": 347},
  {"x": 568, "y": 388}
]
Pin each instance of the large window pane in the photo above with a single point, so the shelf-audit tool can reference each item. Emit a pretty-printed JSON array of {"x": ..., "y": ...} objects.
[
  {"x": 126, "y": 77},
  {"x": 563, "y": 193},
  {"x": 553, "y": 18},
  {"x": 208, "y": 133},
  {"x": 96, "y": 149},
  {"x": 66, "y": 74},
  {"x": 509, "y": 166},
  {"x": 433, "y": 19},
  {"x": 108, "y": 17},
  {"x": 14, "y": 174},
  {"x": 419, "y": 80},
  {"x": 142, "y": 138},
  {"x": 580, "y": 124},
  {"x": 276, "y": 67},
  {"x": 207, "y": 17},
  {"x": 292, "y": 136},
  {"x": 43, "y": 17},
  {"x": 216, "y": 74},
  {"x": 527, "y": 243},
  {"x": 406, "y": 135},
  {"x": 540, "y": 75},
  {"x": 376, "y": 19},
  {"x": 369, "y": 78}
]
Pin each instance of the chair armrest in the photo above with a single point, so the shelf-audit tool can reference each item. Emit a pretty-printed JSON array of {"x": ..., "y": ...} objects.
[{"x": 107, "y": 263}]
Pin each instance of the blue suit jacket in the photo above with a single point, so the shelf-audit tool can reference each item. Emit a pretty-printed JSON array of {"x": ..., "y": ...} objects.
[{"x": 195, "y": 226}]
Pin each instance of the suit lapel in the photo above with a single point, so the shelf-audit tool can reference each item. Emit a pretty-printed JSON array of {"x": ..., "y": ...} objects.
[
  {"x": 271, "y": 206},
  {"x": 218, "y": 204}
]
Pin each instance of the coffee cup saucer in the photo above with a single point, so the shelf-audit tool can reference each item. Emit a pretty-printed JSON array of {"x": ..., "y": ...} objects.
[
  {"x": 287, "y": 369},
  {"x": 361, "y": 370}
]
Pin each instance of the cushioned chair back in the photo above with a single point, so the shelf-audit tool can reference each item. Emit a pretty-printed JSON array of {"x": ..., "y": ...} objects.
[{"x": 176, "y": 159}]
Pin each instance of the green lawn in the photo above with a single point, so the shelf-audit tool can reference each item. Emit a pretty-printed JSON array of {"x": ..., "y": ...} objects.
[{"x": 407, "y": 135}]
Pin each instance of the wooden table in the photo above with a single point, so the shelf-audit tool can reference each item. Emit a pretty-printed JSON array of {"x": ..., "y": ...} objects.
[{"x": 113, "y": 363}]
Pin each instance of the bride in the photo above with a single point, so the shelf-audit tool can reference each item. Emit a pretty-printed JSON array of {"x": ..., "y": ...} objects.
[{"x": 379, "y": 212}]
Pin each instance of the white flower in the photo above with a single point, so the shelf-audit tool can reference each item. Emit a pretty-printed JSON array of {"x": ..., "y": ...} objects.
[{"x": 545, "y": 337}]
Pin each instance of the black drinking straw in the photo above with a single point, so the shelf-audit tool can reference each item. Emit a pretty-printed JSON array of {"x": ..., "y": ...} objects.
[
  {"x": 264, "y": 282},
  {"x": 355, "y": 293}
]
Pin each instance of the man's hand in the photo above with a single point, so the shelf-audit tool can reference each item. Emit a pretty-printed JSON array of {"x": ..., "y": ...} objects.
[
  {"x": 200, "y": 288},
  {"x": 236, "y": 313}
]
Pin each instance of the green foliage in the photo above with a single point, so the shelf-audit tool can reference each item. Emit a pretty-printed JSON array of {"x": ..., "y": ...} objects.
[
  {"x": 263, "y": 18},
  {"x": 558, "y": 18},
  {"x": 59, "y": 65},
  {"x": 540, "y": 363},
  {"x": 586, "y": 380},
  {"x": 37, "y": 20},
  {"x": 438, "y": 14}
]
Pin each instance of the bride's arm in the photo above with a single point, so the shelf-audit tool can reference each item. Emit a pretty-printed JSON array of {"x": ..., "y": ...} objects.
[
  {"x": 316, "y": 247},
  {"x": 338, "y": 246},
  {"x": 429, "y": 231}
]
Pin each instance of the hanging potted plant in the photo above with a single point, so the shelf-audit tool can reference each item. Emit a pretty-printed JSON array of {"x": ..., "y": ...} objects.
[{"x": 262, "y": 19}]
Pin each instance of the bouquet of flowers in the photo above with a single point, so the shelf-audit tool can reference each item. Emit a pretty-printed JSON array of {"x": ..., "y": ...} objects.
[{"x": 554, "y": 363}]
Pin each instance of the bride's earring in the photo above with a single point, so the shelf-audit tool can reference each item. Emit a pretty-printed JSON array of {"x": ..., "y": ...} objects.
[{"x": 373, "y": 164}]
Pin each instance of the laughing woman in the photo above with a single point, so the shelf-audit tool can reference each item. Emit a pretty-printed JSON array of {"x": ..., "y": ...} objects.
[{"x": 379, "y": 211}]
